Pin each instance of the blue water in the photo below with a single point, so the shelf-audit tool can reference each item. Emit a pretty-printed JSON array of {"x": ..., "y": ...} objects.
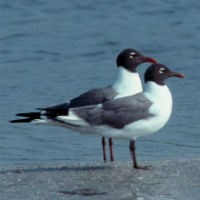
[{"x": 51, "y": 51}]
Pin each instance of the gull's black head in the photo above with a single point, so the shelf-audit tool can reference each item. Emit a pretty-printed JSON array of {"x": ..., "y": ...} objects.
[
  {"x": 130, "y": 59},
  {"x": 158, "y": 73}
]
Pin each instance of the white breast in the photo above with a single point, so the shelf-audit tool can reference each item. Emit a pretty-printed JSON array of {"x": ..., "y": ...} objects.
[
  {"x": 161, "y": 98},
  {"x": 127, "y": 83},
  {"x": 161, "y": 110}
]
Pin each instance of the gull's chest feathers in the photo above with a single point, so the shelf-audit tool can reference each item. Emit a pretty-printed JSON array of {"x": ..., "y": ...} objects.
[
  {"x": 161, "y": 98},
  {"x": 162, "y": 102},
  {"x": 127, "y": 83},
  {"x": 161, "y": 109}
]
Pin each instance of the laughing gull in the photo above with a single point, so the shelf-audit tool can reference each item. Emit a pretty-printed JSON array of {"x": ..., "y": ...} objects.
[
  {"x": 127, "y": 117},
  {"x": 127, "y": 83}
]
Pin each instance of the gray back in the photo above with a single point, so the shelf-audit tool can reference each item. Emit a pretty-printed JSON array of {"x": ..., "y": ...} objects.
[{"x": 117, "y": 113}]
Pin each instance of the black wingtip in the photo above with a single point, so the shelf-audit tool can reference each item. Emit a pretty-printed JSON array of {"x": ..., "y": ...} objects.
[
  {"x": 29, "y": 115},
  {"x": 26, "y": 120}
]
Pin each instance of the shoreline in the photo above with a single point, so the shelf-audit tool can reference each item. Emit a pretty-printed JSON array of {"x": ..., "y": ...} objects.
[{"x": 164, "y": 180}]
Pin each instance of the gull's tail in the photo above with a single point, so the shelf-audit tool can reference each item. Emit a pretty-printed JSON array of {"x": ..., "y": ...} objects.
[{"x": 28, "y": 117}]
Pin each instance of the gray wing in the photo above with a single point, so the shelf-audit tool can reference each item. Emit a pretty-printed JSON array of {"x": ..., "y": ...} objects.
[
  {"x": 91, "y": 97},
  {"x": 117, "y": 113}
]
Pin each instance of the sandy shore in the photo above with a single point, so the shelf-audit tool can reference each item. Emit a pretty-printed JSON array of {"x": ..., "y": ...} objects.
[{"x": 179, "y": 180}]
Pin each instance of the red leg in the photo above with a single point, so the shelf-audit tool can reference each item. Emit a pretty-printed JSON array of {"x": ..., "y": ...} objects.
[
  {"x": 104, "y": 148},
  {"x": 132, "y": 150},
  {"x": 111, "y": 149},
  {"x": 133, "y": 155}
]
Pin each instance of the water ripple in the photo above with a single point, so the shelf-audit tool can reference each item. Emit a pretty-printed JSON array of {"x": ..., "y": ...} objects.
[{"x": 46, "y": 45}]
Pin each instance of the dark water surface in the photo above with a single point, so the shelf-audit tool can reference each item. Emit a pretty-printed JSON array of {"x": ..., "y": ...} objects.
[{"x": 51, "y": 51}]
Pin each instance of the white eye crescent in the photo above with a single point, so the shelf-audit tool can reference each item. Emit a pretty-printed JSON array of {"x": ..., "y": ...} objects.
[
  {"x": 161, "y": 71},
  {"x": 132, "y": 54}
]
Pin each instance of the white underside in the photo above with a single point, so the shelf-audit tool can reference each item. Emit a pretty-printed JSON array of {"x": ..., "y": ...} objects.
[{"x": 161, "y": 110}]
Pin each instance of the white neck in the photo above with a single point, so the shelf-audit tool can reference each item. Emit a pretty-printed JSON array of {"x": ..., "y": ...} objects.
[
  {"x": 157, "y": 92},
  {"x": 127, "y": 83},
  {"x": 162, "y": 98}
]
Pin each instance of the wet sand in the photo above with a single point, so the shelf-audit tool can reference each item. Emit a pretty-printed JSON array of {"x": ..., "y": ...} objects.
[{"x": 165, "y": 180}]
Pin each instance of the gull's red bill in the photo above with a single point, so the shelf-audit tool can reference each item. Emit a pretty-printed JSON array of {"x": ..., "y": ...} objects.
[{"x": 151, "y": 60}]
